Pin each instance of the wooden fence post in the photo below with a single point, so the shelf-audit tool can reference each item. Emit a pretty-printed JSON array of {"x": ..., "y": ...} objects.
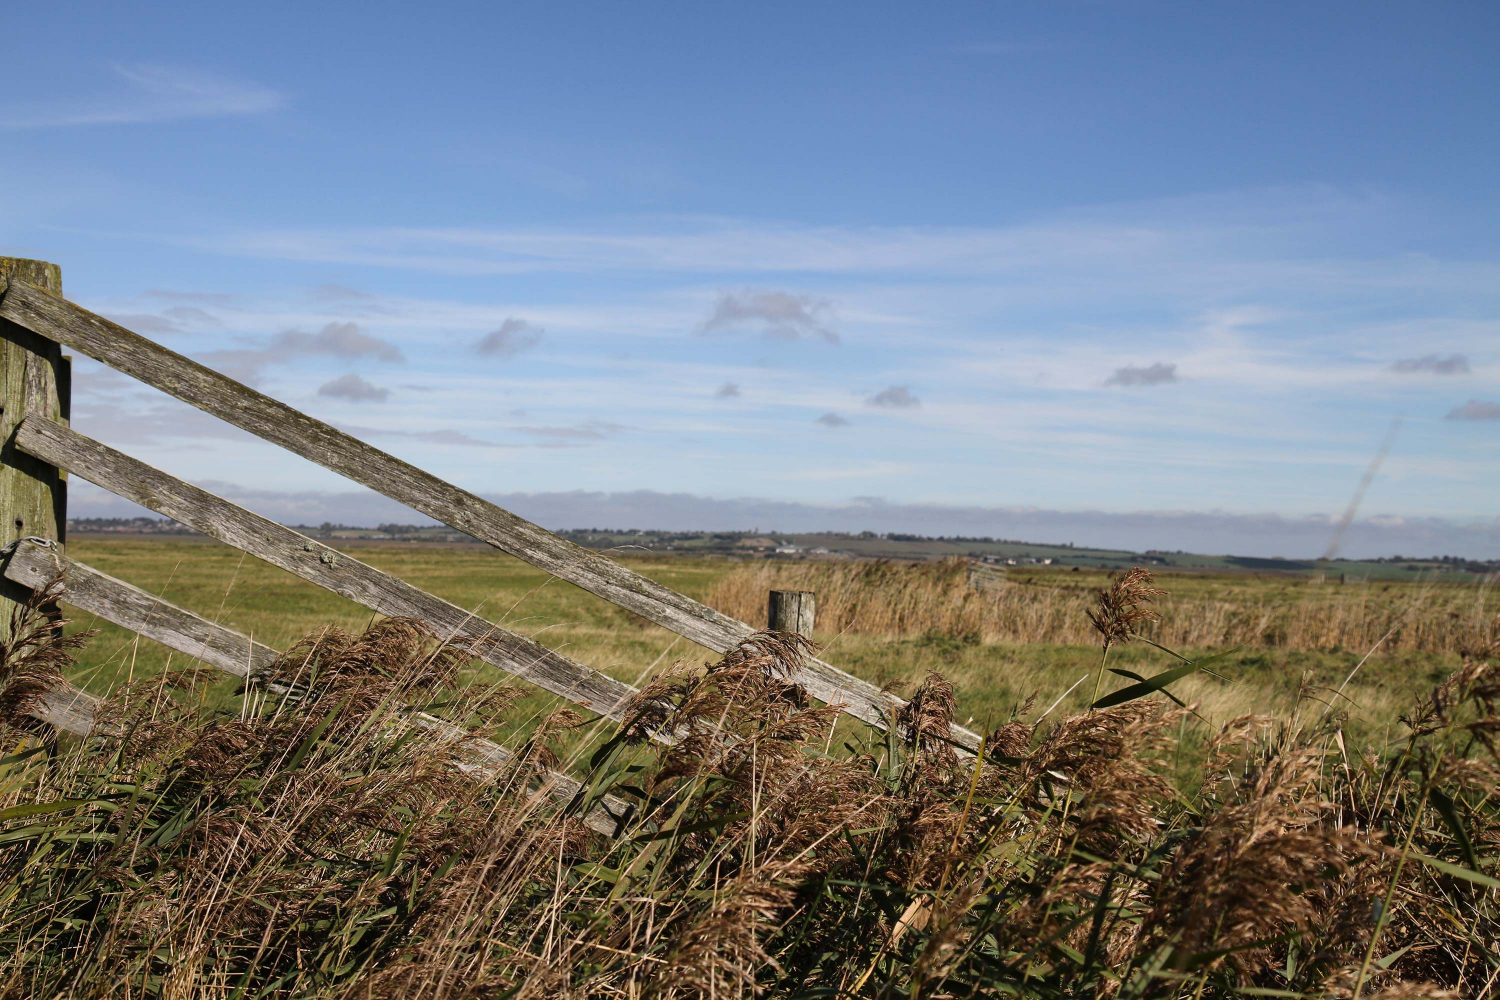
[
  {"x": 33, "y": 494},
  {"x": 791, "y": 611}
]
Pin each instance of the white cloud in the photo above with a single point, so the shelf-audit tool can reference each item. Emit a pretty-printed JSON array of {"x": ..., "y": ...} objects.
[
  {"x": 1159, "y": 373},
  {"x": 335, "y": 339},
  {"x": 123, "y": 416},
  {"x": 1283, "y": 340},
  {"x": 354, "y": 389},
  {"x": 1432, "y": 364},
  {"x": 1237, "y": 238},
  {"x": 1476, "y": 409},
  {"x": 339, "y": 340},
  {"x": 572, "y": 436},
  {"x": 438, "y": 436},
  {"x": 147, "y": 94},
  {"x": 509, "y": 339},
  {"x": 778, "y": 315},
  {"x": 895, "y": 397},
  {"x": 694, "y": 246}
]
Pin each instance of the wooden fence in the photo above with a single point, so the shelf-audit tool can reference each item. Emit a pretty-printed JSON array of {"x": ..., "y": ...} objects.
[{"x": 40, "y": 450}]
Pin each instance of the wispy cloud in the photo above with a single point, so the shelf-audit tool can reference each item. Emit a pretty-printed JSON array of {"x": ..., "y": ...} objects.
[
  {"x": 778, "y": 315},
  {"x": 998, "y": 294},
  {"x": 354, "y": 389},
  {"x": 147, "y": 94},
  {"x": 202, "y": 298},
  {"x": 728, "y": 390},
  {"x": 509, "y": 339},
  {"x": 176, "y": 319},
  {"x": 440, "y": 436},
  {"x": 832, "y": 420},
  {"x": 337, "y": 340},
  {"x": 572, "y": 436},
  {"x": 1280, "y": 345},
  {"x": 1160, "y": 373},
  {"x": 334, "y": 292},
  {"x": 147, "y": 323},
  {"x": 123, "y": 417},
  {"x": 1432, "y": 364},
  {"x": 895, "y": 397},
  {"x": 1476, "y": 409}
]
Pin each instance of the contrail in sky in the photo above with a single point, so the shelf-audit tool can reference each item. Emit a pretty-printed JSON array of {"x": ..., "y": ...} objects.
[{"x": 1364, "y": 484}]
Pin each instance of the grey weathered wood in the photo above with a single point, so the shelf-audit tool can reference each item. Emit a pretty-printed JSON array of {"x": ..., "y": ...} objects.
[
  {"x": 65, "y": 707},
  {"x": 31, "y": 492},
  {"x": 84, "y": 331},
  {"x": 35, "y": 566},
  {"x": 791, "y": 611},
  {"x": 322, "y": 565}
]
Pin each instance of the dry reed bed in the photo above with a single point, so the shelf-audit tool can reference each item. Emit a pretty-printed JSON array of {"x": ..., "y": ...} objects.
[
  {"x": 901, "y": 600},
  {"x": 317, "y": 846}
]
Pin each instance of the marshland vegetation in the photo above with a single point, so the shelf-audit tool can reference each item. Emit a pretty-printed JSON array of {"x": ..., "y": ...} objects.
[{"x": 1289, "y": 819}]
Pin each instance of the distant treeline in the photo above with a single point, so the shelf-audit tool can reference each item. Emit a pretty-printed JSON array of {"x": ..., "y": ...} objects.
[{"x": 606, "y": 537}]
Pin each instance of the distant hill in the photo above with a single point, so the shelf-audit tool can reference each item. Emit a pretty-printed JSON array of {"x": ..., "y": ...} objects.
[{"x": 862, "y": 545}]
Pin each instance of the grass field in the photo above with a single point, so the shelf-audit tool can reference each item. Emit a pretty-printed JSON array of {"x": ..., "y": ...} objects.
[
  {"x": 277, "y": 608},
  {"x": 1291, "y": 641}
]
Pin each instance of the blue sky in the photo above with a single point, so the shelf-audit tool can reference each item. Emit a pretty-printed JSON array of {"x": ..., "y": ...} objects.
[{"x": 1096, "y": 258}]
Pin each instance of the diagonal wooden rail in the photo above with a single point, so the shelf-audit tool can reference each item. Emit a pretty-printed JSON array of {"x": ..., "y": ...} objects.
[
  {"x": 36, "y": 566},
  {"x": 318, "y": 563},
  {"x": 71, "y": 325}
]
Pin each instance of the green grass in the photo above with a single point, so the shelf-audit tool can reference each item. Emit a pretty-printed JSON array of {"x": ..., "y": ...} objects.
[
  {"x": 277, "y": 608},
  {"x": 991, "y": 679}
]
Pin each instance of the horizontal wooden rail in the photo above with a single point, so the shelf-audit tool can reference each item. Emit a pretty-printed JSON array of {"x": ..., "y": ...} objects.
[
  {"x": 65, "y": 707},
  {"x": 318, "y": 563},
  {"x": 35, "y": 566},
  {"x": 73, "y": 326},
  {"x": 120, "y": 603},
  {"x": 113, "y": 600}
]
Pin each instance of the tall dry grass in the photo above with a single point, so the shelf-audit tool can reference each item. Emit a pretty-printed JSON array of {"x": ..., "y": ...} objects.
[
  {"x": 312, "y": 843},
  {"x": 900, "y": 600}
]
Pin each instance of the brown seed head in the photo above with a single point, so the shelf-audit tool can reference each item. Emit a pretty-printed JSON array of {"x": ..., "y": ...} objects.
[{"x": 1124, "y": 605}]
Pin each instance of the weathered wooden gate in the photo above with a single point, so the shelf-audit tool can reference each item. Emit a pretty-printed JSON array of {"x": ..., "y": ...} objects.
[{"x": 39, "y": 449}]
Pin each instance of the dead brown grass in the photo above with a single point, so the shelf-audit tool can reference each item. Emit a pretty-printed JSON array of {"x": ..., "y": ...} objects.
[{"x": 902, "y": 600}]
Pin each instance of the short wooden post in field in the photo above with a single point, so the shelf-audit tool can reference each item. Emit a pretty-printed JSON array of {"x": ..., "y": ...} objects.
[
  {"x": 33, "y": 494},
  {"x": 791, "y": 611}
]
